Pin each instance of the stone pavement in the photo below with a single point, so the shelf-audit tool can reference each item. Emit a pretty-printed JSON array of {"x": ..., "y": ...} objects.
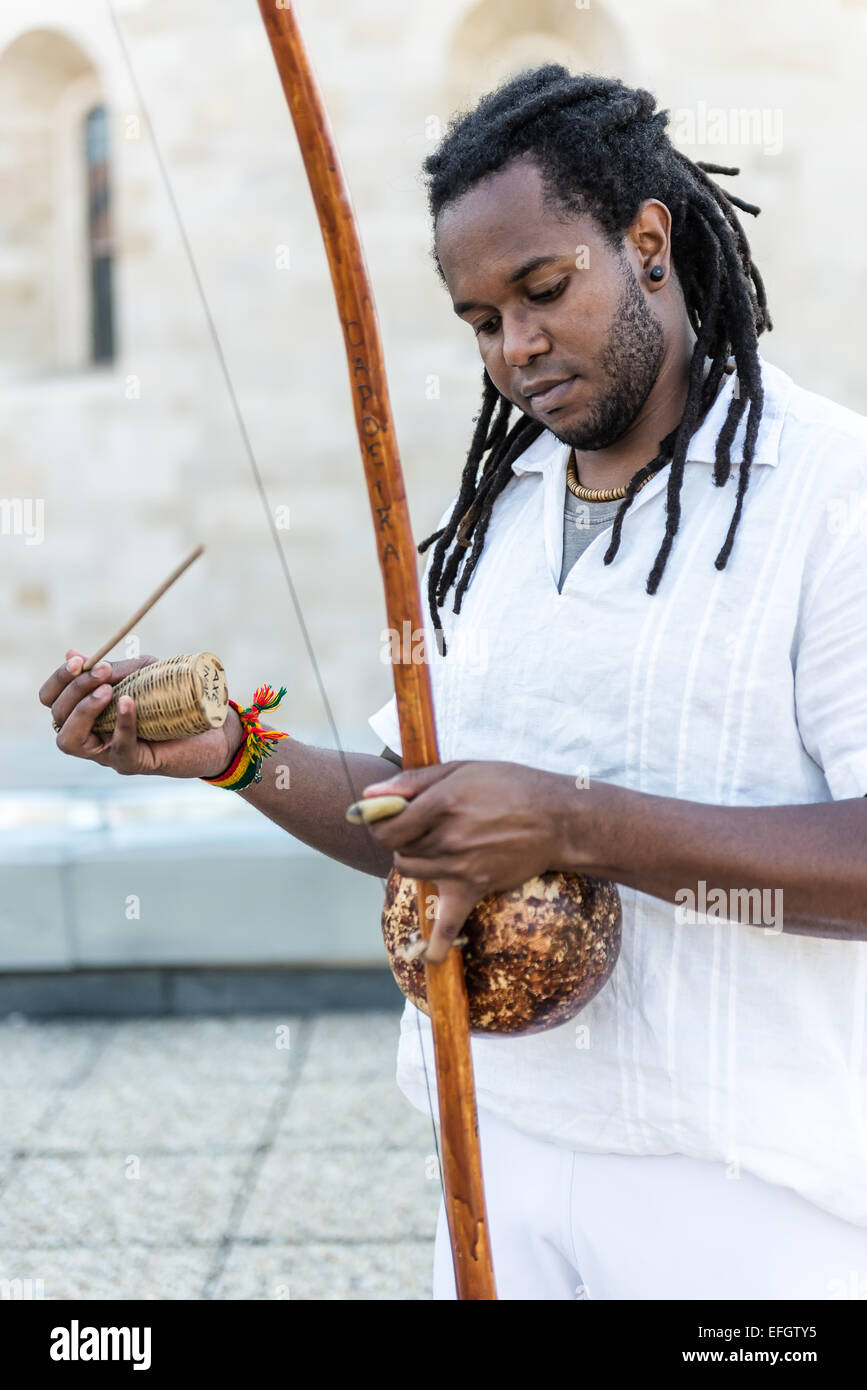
[{"x": 203, "y": 1158}]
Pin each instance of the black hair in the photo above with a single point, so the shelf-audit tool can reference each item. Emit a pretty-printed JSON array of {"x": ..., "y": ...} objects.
[{"x": 602, "y": 149}]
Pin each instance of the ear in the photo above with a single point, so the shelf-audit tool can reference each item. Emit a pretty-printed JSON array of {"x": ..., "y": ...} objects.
[{"x": 649, "y": 239}]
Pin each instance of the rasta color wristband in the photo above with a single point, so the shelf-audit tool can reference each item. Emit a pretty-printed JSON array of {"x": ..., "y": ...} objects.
[{"x": 257, "y": 744}]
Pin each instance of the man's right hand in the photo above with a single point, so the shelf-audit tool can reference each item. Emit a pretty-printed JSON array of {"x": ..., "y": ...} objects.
[{"x": 76, "y": 700}]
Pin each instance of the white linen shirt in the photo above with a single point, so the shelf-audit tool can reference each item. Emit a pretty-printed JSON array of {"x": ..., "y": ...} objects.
[{"x": 740, "y": 687}]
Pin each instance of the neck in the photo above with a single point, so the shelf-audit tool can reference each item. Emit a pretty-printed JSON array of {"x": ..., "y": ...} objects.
[{"x": 661, "y": 412}]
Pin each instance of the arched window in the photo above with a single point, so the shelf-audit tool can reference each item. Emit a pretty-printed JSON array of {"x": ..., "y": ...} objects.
[
  {"x": 496, "y": 39},
  {"x": 55, "y": 210},
  {"x": 99, "y": 242}
]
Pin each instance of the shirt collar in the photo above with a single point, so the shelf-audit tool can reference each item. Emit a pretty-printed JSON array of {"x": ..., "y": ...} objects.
[{"x": 547, "y": 450}]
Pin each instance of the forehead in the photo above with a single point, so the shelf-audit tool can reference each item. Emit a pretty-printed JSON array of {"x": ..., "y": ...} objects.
[{"x": 503, "y": 221}]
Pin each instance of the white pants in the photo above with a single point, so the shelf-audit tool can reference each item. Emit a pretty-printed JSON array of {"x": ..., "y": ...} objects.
[{"x": 570, "y": 1225}]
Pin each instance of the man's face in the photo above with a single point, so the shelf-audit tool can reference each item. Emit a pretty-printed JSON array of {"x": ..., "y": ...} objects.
[{"x": 563, "y": 326}]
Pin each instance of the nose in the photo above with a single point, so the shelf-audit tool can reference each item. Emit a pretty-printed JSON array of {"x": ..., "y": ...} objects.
[{"x": 522, "y": 340}]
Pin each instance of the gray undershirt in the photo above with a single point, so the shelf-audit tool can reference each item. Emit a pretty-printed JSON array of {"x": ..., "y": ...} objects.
[{"x": 582, "y": 523}]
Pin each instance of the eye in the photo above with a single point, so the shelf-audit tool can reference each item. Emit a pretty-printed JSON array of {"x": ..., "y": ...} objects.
[
  {"x": 548, "y": 294},
  {"x": 490, "y": 325}
]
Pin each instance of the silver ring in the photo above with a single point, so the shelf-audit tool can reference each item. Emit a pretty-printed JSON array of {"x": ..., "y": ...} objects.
[{"x": 55, "y": 726}]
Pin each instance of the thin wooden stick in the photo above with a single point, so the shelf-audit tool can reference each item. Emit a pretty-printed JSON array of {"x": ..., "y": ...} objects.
[{"x": 145, "y": 608}]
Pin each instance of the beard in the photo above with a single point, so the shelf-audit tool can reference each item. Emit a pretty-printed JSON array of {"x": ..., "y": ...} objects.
[{"x": 630, "y": 360}]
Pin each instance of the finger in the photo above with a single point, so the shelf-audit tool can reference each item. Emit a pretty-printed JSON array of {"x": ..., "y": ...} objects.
[
  {"x": 432, "y": 797},
  {"x": 411, "y": 828},
  {"x": 76, "y": 737},
  {"x": 454, "y": 905},
  {"x": 88, "y": 681},
  {"x": 412, "y": 865},
  {"x": 124, "y": 737},
  {"x": 411, "y": 781},
  {"x": 59, "y": 679},
  {"x": 425, "y": 814},
  {"x": 78, "y": 688},
  {"x": 434, "y": 844}
]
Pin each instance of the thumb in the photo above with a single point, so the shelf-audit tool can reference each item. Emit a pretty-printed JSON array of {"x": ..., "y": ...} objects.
[
  {"x": 455, "y": 902},
  {"x": 410, "y": 781}
]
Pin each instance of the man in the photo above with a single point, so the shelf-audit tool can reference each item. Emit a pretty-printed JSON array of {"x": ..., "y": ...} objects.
[{"x": 672, "y": 698}]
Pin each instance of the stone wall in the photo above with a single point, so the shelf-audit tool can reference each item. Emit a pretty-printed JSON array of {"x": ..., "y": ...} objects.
[{"x": 138, "y": 461}]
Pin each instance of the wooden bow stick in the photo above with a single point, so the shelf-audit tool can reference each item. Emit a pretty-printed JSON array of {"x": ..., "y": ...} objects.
[{"x": 446, "y": 988}]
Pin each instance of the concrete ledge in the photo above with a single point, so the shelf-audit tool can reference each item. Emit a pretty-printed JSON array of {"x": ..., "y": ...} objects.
[
  {"x": 156, "y": 877},
  {"x": 120, "y": 993}
]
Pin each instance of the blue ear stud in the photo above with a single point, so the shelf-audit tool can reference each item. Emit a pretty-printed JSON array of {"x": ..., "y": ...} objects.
[{"x": 657, "y": 272}]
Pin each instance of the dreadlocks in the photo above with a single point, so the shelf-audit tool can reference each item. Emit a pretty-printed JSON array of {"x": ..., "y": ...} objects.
[{"x": 602, "y": 149}]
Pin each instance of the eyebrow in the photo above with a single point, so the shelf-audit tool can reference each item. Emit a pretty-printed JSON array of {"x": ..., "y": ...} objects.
[{"x": 527, "y": 268}]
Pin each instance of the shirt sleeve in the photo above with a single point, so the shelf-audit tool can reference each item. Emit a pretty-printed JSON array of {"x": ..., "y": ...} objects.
[
  {"x": 831, "y": 669},
  {"x": 384, "y": 724}
]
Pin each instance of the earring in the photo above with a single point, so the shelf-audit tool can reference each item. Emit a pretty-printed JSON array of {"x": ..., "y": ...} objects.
[{"x": 658, "y": 272}]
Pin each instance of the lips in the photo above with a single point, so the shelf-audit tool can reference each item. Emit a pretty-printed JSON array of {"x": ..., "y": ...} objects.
[{"x": 551, "y": 397}]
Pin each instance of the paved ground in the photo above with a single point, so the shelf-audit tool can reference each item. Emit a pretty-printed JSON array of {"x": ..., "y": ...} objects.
[{"x": 203, "y": 1158}]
